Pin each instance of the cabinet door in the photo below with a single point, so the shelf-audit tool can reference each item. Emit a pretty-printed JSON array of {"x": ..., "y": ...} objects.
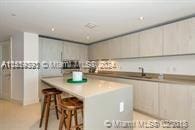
[
  {"x": 98, "y": 51},
  {"x": 91, "y": 52},
  {"x": 68, "y": 51},
  {"x": 74, "y": 51},
  {"x": 50, "y": 51},
  {"x": 151, "y": 42},
  {"x": 179, "y": 37},
  {"x": 83, "y": 52},
  {"x": 192, "y": 108},
  {"x": 174, "y": 101},
  {"x": 115, "y": 48},
  {"x": 146, "y": 97},
  {"x": 105, "y": 50},
  {"x": 130, "y": 46}
]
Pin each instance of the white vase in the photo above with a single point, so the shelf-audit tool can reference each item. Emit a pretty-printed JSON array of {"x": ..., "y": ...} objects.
[{"x": 77, "y": 76}]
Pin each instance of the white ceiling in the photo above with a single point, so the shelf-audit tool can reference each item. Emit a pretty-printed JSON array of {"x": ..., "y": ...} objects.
[{"x": 69, "y": 17}]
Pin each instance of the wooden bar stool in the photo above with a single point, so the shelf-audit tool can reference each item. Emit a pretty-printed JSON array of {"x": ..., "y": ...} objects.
[
  {"x": 49, "y": 94},
  {"x": 69, "y": 108}
]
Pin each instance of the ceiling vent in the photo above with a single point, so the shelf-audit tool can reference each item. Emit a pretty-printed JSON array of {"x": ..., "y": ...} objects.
[{"x": 90, "y": 25}]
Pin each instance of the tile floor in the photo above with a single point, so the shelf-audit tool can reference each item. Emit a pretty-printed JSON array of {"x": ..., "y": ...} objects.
[{"x": 16, "y": 117}]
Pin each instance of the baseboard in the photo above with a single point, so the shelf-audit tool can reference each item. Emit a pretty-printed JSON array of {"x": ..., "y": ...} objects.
[
  {"x": 30, "y": 101},
  {"x": 16, "y": 101}
]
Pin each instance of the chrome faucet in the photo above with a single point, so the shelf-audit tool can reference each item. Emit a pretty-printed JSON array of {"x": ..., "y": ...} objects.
[{"x": 142, "y": 69}]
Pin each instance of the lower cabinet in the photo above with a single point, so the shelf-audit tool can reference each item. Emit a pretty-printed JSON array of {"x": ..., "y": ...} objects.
[
  {"x": 192, "y": 108},
  {"x": 174, "y": 101},
  {"x": 146, "y": 97}
]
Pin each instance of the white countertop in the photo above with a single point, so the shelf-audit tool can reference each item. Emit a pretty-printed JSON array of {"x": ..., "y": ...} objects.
[{"x": 84, "y": 90}]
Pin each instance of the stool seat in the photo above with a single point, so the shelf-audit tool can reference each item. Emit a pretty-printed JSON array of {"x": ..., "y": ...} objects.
[
  {"x": 51, "y": 91},
  {"x": 71, "y": 104}
]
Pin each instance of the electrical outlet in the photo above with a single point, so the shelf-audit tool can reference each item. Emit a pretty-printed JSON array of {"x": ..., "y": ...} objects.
[{"x": 121, "y": 106}]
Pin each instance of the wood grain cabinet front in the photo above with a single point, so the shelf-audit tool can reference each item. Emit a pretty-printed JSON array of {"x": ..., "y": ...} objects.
[
  {"x": 174, "y": 101},
  {"x": 151, "y": 42},
  {"x": 179, "y": 38}
]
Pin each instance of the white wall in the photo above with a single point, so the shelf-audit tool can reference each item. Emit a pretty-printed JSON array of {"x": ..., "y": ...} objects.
[
  {"x": 170, "y": 65},
  {"x": 17, "y": 76},
  {"x": 25, "y": 47}
]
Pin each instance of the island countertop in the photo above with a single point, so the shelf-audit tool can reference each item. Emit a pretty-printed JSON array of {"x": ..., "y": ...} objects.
[{"x": 92, "y": 87}]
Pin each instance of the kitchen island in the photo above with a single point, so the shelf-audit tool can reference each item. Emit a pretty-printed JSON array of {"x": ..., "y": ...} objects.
[{"x": 105, "y": 102}]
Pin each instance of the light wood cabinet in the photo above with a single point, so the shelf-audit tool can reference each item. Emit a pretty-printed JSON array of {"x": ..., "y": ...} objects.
[
  {"x": 105, "y": 50},
  {"x": 172, "y": 39},
  {"x": 174, "y": 101},
  {"x": 146, "y": 97},
  {"x": 192, "y": 108},
  {"x": 179, "y": 37},
  {"x": 91, "y": 52},
  {"x": 151, "y": 42},
  {"x": 72, "y": 51},
  {"x": 115, "y": 48},
  {"x": 130, "y": 46}
]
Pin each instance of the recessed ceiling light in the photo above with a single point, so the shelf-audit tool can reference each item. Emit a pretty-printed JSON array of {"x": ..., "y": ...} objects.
[
  {"x": 87, "y": 37},
  {"x": 52, "y": 29},
  {"x": 141, "y": 18},
  {"x": 90, "y": 25},
  {"x": 12, "y": 14}
]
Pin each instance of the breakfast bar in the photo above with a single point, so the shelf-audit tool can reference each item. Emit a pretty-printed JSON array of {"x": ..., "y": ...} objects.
[{"x": 104, "y": 102}]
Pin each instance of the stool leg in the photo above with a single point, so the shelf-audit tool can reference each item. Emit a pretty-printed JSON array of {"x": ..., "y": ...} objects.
[
  {"x": 47, "y": 111},
  {"x": 76, "y": 119},
  {"x": 43, "y": 112},
  {"x": 62, "y": 120},
  {"x": 59, "y": 100},
  {"x": 68, "y": 120},
  {"x": 56, "y": 107}
]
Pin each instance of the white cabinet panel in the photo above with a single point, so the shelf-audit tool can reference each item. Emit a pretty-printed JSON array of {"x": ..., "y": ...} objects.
[
  {"x": 50, "y": 51},
  {"x": 174, "y": 101},
  {"x": 151, "y": 42},
  {"x": 68, "y": 51},
  {"x": 130, "y": 46},
  {"x": 179, "y": 37}
]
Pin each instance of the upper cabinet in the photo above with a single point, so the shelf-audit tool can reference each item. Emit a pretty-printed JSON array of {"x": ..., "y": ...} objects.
[
  {"x": 151, "y": 42},
  {"x": 130, "y": 46},
  {"x": 172, "y": 39},
  {"x": 179, "y": 37},
  {"x": 115, "y": 48},
  {"x": 109, "y": 49},
  {"x": 74, "y": 51},
  {"x": 91, "y": 51}
]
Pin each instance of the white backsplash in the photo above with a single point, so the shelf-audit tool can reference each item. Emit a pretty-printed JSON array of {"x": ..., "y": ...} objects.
[{"x": 169, "y": 65}]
